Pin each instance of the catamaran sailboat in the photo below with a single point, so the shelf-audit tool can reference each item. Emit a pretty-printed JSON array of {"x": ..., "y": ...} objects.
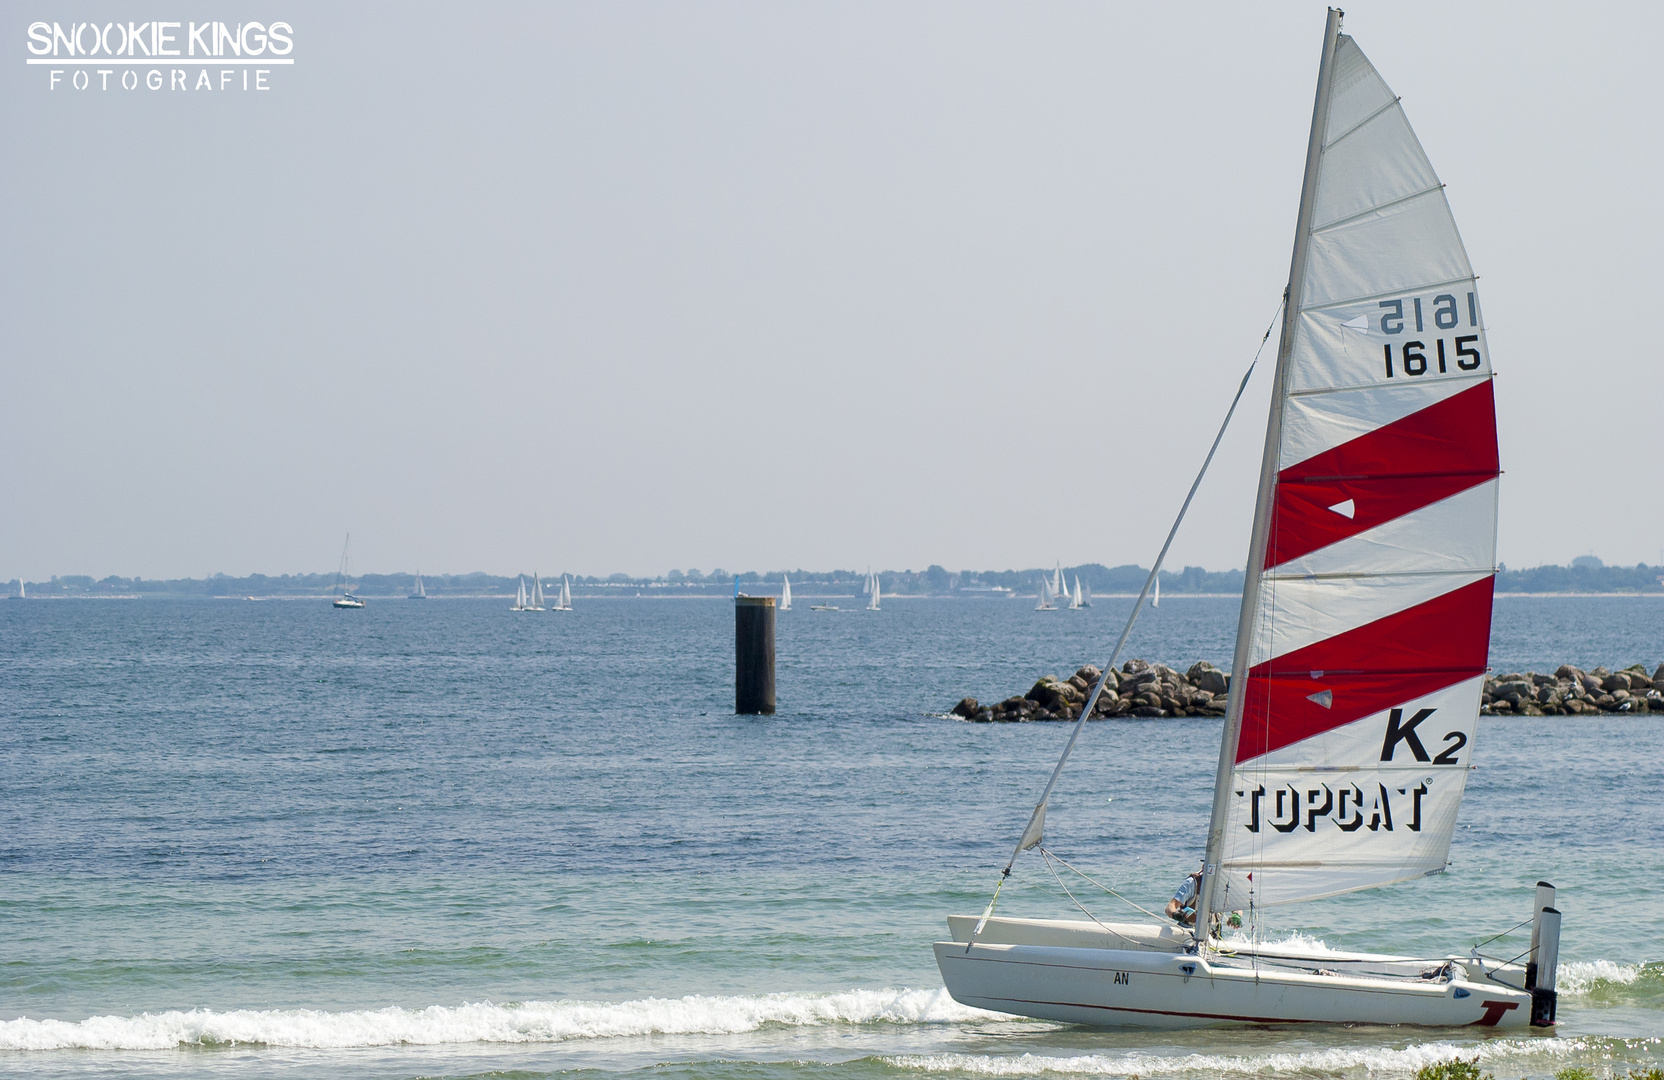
[
  {"x": 346, "y": 599},
  {"x": 1361, "y": 645},
  {"x": 785, "y": 592}
]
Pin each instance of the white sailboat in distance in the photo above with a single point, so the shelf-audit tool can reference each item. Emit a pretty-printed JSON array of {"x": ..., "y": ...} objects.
[
  {"x": 785, "y": 592},
  {"x": 1075, "y": 601},
  {"x": 420, "y": 593},
  {"x": 346, "y": 600},
  {"x": 528, "y": 599},
  {"x": 876, "y": 592},
  {"x": 1046, "y": 595},
  {"x": 564, "y": 601},
  {"x": 1360, "y": 651}
]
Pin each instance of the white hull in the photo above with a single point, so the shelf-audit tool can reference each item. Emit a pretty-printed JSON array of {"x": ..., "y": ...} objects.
[
  {"x": 1135, "y": 976},
  {"x": 352, "y": 603}
]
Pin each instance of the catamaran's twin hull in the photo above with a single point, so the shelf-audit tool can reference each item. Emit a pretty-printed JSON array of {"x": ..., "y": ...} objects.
[{"x": 1142, "y": 986}]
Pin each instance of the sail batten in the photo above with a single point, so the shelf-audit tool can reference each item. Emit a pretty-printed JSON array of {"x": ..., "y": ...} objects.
[{"x": 1366, "y": 620}]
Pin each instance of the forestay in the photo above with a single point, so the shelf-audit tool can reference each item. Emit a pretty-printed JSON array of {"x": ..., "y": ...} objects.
[{"x": 1364, "y": 636}]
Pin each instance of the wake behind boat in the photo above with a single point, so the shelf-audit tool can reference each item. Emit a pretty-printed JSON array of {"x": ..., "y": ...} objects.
[{"x": 1361, "y": 643}]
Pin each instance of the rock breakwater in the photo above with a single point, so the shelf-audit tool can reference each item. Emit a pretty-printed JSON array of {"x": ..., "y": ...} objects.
[
  {"x": 1572, "y": 692},
  {"x": 1138, "y": 689},
  {"x": 1143, "y": 689}
]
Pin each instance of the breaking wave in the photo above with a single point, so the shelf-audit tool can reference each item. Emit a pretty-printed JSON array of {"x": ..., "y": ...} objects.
[
  {"x": 1583, "y": 977},
  {"x": 484, "y": 1022},
  {"x": 1372, "y": 1061}
]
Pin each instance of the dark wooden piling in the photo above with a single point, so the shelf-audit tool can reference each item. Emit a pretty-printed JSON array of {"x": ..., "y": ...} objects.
[{"x": 754, "y": 655}]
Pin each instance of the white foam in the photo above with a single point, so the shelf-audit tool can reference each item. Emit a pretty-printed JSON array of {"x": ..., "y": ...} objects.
[
  {"x": 1293, "y": 941},
  {"x": 532, "y": 1021},
  {"x": 1373, "y": 1060},
  {"x": 1580, "y": 976}
]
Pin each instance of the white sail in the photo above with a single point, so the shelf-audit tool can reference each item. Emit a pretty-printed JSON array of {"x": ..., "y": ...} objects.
[
  {"x": 537, "y": 592},
  {"x": 866, "y": 586},
  {"x": 1074, "y": 602},
  {"x": 1155, "y": 597},
  {"x": 877, "y": 591},
  {"x": 785, "y": 593},
  {"x": 343, "y": 580},
  {"x": 1045, "y": 602},
  {"x": 1366, "y": 615},
  {"x": 565, "y": 593}
]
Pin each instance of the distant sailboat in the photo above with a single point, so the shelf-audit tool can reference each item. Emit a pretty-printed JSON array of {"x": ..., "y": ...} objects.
[
  {"x": 563, "y": 602},
  {"x": 1074, "y": 601},
  {"x": 1155, "y": 599},
  {"x": 537, "y": 593},
  {"x": 786, "y": 593},
  {"x": 866, "y": 586},
  {"x": 877, "y": 592},
  {"x": 525, "y": 600},
  {"x": 1059, "y": 586},
  {"x": 346, "y": 599},
  {"x": 21, "y": 593},
  {"x": 420, "y": 593},
  {"x": 1087, "y": 597},
  {"x": 1046, "y": 596}
]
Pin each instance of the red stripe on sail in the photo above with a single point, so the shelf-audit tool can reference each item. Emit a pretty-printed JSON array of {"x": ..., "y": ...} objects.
[
  {"x": 1396, "y": 469},
  {"x": 1378, "y": 665}
]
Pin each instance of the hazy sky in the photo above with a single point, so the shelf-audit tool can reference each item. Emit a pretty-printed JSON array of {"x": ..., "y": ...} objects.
[{"x": 631, "y": 286}]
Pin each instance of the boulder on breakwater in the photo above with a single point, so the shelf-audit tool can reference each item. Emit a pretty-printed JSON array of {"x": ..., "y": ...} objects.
[
  {"x": 1138, "y": 689},
  {"x": 1154, "y": 690}
]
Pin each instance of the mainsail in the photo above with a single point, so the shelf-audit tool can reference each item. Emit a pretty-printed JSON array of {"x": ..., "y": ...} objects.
[
  {"x": 1366, "y": 617},
  {"x": 785, "y": 592}
]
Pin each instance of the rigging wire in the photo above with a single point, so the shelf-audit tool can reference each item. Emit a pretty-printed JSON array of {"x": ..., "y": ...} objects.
[
  {"x": 1049, "y": 855},
  {"x": 1037, "y": 821},
  {"x": 1505, "y": 933}
]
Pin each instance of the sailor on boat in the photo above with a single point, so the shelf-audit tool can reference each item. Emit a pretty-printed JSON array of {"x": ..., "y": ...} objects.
[{"x": 1182, "y": 908}]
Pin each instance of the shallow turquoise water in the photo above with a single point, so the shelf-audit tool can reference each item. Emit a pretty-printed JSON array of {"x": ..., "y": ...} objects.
[{"x": 441, "y": 839}]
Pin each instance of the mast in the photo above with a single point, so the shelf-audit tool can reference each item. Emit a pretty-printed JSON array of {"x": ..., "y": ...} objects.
[{"x": 1265, "y": 502}]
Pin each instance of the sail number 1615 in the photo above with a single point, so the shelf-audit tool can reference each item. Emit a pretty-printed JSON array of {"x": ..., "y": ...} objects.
[{"x": 1412, "y": 358}]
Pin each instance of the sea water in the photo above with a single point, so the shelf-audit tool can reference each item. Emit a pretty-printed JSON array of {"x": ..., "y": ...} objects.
[{"x": 445, "y": 839}]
